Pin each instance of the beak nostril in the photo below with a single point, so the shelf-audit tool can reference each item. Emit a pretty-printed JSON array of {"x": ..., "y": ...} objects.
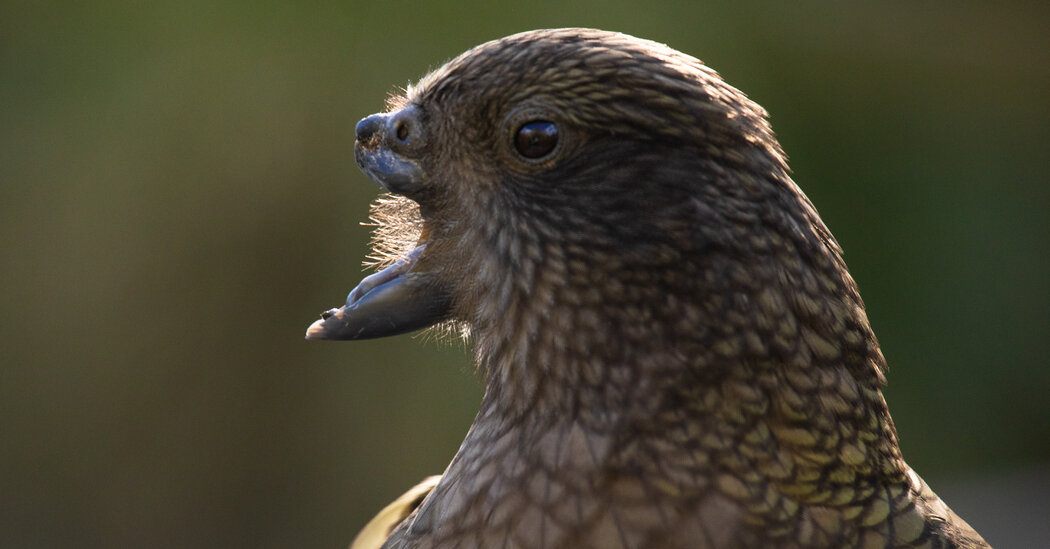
[{"x": 401, "y": 130}]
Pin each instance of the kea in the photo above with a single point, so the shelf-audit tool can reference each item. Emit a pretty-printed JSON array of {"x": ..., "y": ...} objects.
[{"x": 674, "y": 353}]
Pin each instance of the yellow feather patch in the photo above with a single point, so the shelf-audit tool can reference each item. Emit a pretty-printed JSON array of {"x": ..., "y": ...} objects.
[{"x": 374, "y": 534}]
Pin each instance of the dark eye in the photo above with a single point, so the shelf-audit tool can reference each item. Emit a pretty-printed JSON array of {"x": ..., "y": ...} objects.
[{"x": 536, "y": 139}]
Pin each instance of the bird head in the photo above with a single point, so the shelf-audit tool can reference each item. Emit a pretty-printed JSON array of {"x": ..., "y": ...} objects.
[{"x": 573, "y": 193}]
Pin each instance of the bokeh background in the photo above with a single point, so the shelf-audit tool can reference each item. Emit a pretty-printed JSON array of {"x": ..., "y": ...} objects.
[{"x": 179, "y": 201}]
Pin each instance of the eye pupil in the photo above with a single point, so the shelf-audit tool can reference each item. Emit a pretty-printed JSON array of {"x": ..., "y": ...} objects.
[{"x": 536, "y": 139}]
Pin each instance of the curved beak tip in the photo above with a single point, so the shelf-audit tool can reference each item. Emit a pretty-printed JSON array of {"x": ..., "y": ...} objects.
[
  {"x": 321, "y": 328},
  {"x": 393, "y": 301},
  {"x": 315, "y": 331}
]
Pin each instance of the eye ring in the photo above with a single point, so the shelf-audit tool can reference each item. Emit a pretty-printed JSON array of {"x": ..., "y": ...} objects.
[{"x": 536, "y": 139}]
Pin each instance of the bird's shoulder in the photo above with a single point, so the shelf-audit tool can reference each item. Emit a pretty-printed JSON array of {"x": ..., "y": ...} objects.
[
  {"x": 376, "y": 532},
  {"x": 544, "y": 507}
]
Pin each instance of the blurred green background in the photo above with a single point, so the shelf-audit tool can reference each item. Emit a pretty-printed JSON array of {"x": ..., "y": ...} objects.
[{"x": 179, "y": 201}]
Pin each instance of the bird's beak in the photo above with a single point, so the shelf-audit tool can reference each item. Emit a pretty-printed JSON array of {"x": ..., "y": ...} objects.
[
  {"x": 400, "y": 298},
  {"x": 387, "y": 149},
  {"x": 393, "y": 301}
]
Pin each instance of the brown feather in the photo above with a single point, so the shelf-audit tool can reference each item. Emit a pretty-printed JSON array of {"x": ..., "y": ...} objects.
[{"x": 675, "y": 353}]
